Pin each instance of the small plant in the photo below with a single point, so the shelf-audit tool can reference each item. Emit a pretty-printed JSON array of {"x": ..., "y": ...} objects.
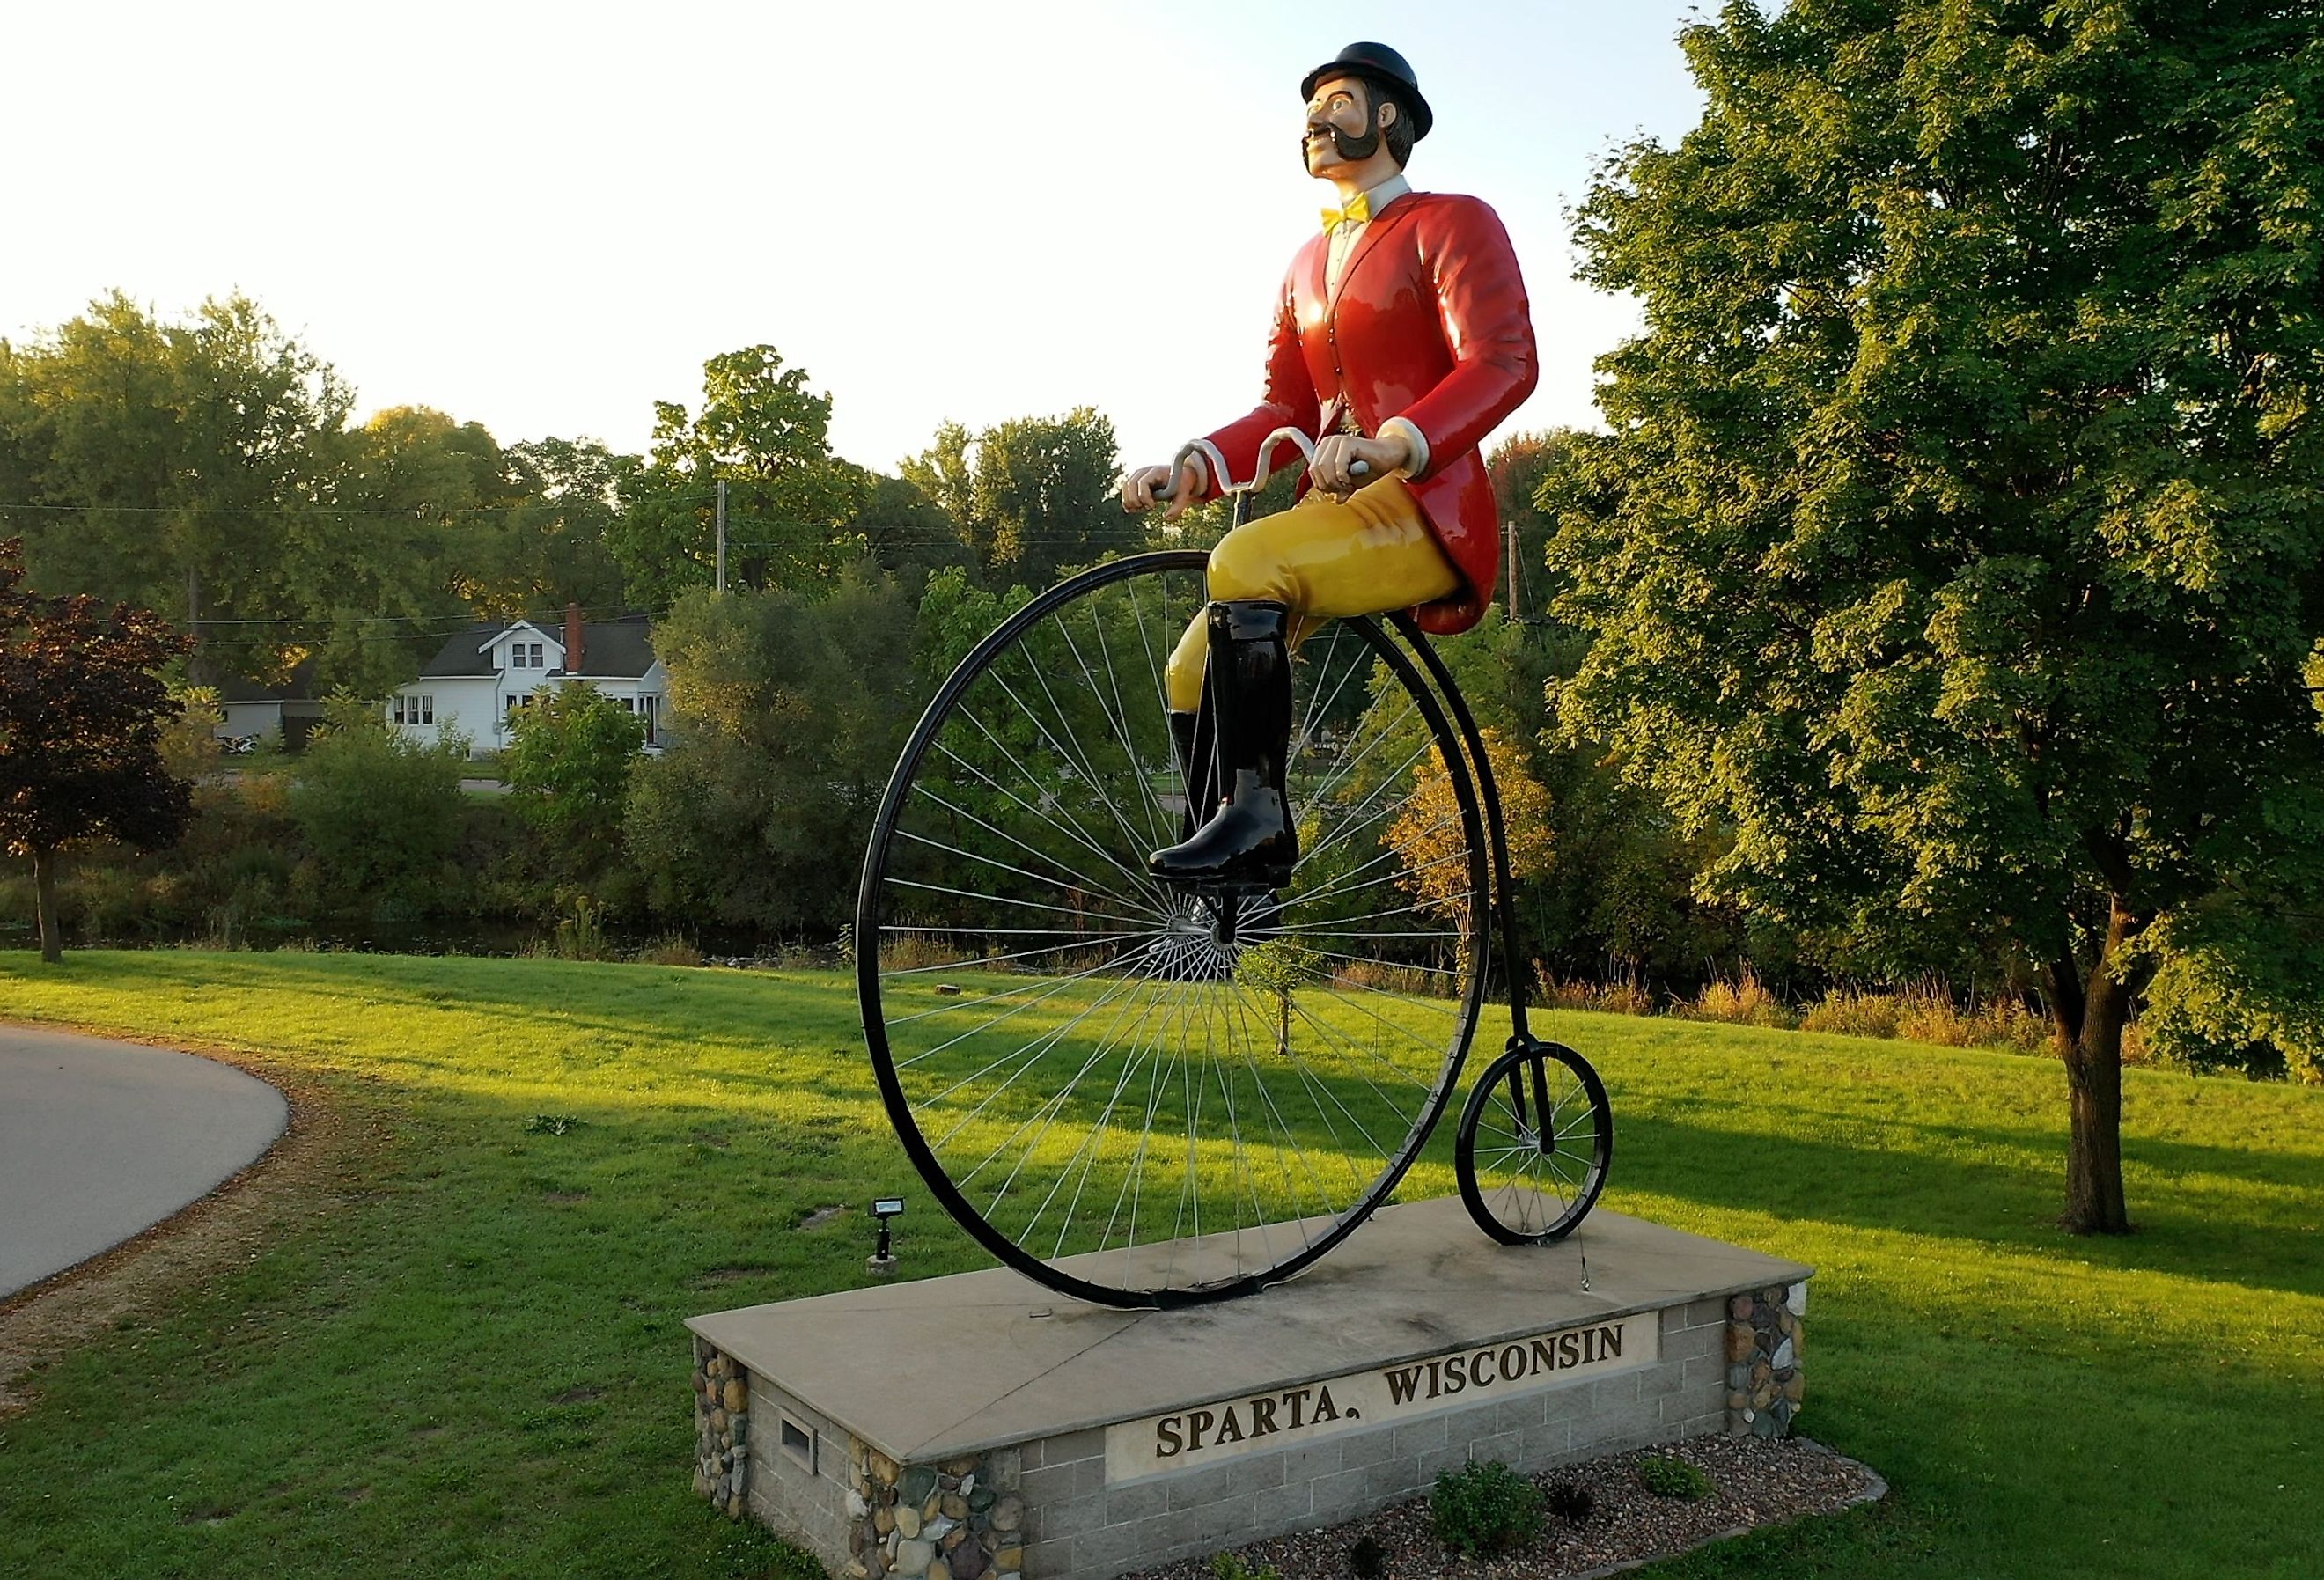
[
  {"x": 1672, "y": 1478},
  {"x": 670, "y": 950},
  {"x": 1230, "y": 1566},
  {"x": 552, "y": 1124},
  {"x": 1572, "y": 1502},
  {"x": 1744, "y": 1002},
  {"x": 1484, "y": 1508},
  {"x": 582, "y": 935},
  {"x": 1367, "y": 1560}
]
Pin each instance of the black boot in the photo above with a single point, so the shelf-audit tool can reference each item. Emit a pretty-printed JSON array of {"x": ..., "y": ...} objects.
[
  {"x": 1190, "y": 736},
  {"x": 1251, "y": 839}
]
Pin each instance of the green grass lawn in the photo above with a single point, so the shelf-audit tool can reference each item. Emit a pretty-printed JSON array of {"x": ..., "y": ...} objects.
[{"x": 473, "y": 1362}]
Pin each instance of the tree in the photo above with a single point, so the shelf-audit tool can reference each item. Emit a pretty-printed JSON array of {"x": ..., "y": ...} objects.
[
  {"x": 551, "y": 549},
  {"x": 766, "y": 436},
  {"x": 785, "y": 717},
  {"x": 167, "y": 464},
  {"x": 1034, "y": 496},
  {"x": 905, "y": 532},
  {"x": 81, "y": 715},
  {"x": 380, "y": 811},
  {"x": 432, "y": 523},
  {"x": 1428, "y": 839},
  {"x": 1953, "y": 551},
  {"x": 375, "y": 573},
  {"x": 570, "y": 767},
  {"x": 205, "y": 466}
]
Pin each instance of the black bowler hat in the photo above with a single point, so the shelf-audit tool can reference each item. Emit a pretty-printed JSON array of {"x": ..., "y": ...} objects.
[{"x": 1377, "y": 63}]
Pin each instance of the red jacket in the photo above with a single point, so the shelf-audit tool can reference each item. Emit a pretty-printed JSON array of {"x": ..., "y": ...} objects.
[{"x": 1430, "y": 324}]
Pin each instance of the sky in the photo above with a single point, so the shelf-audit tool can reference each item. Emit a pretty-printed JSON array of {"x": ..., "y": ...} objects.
[{"x": 545, "y": 218}]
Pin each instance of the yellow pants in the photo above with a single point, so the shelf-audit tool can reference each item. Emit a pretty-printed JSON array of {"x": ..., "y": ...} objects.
[{"x": 1324, "y": 557}]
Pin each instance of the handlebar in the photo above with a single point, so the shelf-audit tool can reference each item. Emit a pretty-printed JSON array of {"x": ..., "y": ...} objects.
[{"x": 1263, "y": 470}]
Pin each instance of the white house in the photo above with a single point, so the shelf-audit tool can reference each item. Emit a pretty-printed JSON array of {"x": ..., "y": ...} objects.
[{"x": 479, "y": 678}]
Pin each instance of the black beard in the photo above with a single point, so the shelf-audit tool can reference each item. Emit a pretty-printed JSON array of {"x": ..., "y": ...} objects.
[{"x": 1352, "y": 150}]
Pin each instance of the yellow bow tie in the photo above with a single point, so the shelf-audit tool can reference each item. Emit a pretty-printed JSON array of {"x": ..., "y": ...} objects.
[{"x": 1358, "y": 212}]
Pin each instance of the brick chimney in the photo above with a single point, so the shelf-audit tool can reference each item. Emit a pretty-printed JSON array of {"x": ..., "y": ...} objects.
[{"x": 573, "y": 638}]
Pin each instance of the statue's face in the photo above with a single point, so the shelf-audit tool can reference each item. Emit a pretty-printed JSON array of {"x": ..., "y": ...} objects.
[{"x": 1343, "y": 127}]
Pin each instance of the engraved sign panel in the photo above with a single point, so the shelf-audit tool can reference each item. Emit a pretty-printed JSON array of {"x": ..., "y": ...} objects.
[{"x": 1225, "y": 1429}]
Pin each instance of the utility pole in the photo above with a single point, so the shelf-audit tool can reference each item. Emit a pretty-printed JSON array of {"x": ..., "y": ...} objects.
[
  {"x": 1509, "y": 530},
  {"x": 721, "y": 534}
]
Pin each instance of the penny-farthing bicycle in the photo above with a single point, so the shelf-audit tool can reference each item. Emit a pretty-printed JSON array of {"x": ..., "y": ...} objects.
[{"x": 1146, "y": 1095}]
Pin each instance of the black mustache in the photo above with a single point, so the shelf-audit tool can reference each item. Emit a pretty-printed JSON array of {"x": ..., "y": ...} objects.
[{"x": 1353, "y": 149}]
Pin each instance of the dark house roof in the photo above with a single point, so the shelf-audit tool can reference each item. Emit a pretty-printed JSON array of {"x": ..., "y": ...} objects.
[
  {"x": 617, "y": 649},
  {"x": 298, "y": 686},
  {"x": 613, "y": 650}
]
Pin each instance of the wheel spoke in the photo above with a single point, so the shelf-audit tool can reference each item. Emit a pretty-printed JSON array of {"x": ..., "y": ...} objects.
[{"x": 1198, "y": 1106}]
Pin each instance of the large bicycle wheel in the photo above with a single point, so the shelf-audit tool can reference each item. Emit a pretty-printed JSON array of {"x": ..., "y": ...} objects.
[
  {"x": 1137, "y": 1093},
  {"x": 1536, "y": 1139}
]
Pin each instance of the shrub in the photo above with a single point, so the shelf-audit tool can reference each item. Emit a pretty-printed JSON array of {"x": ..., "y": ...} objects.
[
  {"x": 1484, "y": 1508},
  {"x": 1928, "y": 1013},
  {"x": 670, "y": 950},
  {"x": 1232, "y": 1566},
  {"x": 1382, "y": 977},
  {"x": 570, "y": 768},
  {"x": 1744, "y": 1002},
  {"x": 1672, "y": 1478},
  {"x": 582, "y": 935},
  {"x": 1852, "y": 1014},
  {"x": 380, "y": 811},
  {"x": 1623, "y": 996}
]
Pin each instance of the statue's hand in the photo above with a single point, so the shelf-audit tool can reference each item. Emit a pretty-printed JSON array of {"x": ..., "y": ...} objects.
[
  {"x": 1140, "y": 487},
  {"x": 1336, "y": 455}
]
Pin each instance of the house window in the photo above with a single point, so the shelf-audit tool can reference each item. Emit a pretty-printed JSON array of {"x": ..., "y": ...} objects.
[
  {"x": 399, "y": 710},
  {"x": 426, "y": 709},
  {"x": 536, "y": 655},
  {"x": 645, "y": 705}
]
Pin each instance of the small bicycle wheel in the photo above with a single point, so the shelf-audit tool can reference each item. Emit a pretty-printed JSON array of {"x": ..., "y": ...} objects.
[
  {"x": 1533, "y": 1144},
  {"x": 1135, "y": 1092}
]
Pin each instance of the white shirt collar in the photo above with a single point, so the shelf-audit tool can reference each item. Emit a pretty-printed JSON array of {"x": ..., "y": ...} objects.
[{"x": 1388, "y": 191}]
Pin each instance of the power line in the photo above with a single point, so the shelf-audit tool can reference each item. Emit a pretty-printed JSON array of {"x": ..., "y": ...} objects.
[
  {"x": 603, "y": 613},
  {"x": 415, "y": 513}
]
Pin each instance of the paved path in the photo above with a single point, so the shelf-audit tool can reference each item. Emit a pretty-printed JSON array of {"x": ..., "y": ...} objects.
[{"x": 99, "y": 1139}]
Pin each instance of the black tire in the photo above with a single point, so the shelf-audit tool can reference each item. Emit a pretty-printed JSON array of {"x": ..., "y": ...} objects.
[
  {"x": 1020, "y": 972},
  {"x": 1519, "y": 1192}
]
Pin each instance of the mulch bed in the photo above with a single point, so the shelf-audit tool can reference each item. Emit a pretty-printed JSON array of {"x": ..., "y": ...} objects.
[{"x": 1754, "y": 1482}]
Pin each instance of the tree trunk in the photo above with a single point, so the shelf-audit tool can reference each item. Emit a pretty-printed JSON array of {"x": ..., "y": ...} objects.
[
  {"x": 2088, "y": 1017},
  {"x": 44, "y": 890}
]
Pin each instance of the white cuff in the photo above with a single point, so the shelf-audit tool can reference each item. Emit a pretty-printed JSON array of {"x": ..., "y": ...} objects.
[
  {"x": 1212, "y": 466},
  {"x": 1413, "y": 437}
]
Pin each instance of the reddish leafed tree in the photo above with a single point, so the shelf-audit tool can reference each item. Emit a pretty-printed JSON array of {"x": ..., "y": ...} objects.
[{"x": 81, "y": 711}]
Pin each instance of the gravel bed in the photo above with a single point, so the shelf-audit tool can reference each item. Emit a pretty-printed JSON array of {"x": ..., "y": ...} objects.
[{"x": 1755, "y": 1482}]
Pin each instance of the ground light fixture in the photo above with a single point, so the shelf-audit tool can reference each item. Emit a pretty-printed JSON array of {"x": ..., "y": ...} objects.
[{"x": 882, "y": 1263}]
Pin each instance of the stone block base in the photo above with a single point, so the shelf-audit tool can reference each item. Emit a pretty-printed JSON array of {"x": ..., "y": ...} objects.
[{"x": 976, "y": 1427}]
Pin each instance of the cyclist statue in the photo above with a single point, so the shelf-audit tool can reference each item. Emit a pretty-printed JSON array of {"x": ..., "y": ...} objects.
[{"x": 1401, "y": 339}]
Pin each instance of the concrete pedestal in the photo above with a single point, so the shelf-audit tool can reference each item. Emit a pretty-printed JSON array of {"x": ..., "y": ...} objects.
[{"x": 977, "y": 1427}]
